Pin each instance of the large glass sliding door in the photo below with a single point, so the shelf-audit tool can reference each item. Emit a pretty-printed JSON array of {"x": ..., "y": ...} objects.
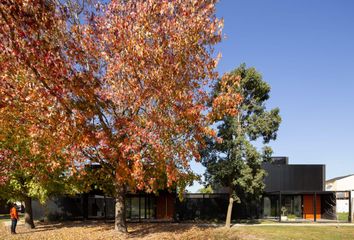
[
  {"x": 96, "y": 206},
  {"x": 292, "y": 204},
  {"x": 297, "y": 209},
  {"x": 267, "y": 208},
  {"x": 270, "y": 206},
  {"x": 135, "y": 208},
  {"x": 151, "y": 208},
  {"x": 141, "y": 207}
]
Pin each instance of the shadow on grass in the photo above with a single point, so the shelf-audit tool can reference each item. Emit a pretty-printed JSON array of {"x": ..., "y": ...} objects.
[
  {"x": 68, "y": 224},
  {"x": 47, "y": 227},
  {"x": 143, "y": 230},
  {"x": 135, "y": 230},
  {"x": 248, "y": 221}
]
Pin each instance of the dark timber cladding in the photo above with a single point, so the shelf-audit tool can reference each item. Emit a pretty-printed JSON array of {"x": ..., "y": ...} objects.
[{"x": 293, "y": 177}]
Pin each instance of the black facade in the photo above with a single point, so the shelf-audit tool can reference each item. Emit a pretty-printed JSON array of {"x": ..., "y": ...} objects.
[
  {"x": 296, "y": 191},
  {"x": 213, "y": 207},
  {"x": 294, "y": 177},
  {"x": 292, "y": 193},
  {"x": 4, "y": 207},
  {"x": 140, "y": 206}
]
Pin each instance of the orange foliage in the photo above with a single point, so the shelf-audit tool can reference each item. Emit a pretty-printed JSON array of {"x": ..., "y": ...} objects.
[
  {"x": 125, "y": 87},
  {"x": 229, "y": 99}
]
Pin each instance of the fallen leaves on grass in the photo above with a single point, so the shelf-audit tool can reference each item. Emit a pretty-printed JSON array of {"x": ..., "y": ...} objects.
[{"x": 97, "y": 230}]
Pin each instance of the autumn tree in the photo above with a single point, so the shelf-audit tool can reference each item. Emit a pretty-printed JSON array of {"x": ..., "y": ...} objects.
[
  {"x": 29, "y": 175},
  {"x": 36, "y": 91},
  {"x": 128, "y": 75},
  {"x": 33, "y": 162},
  {"x": 149, "y": 124},
  {"x": 234, "y": 161}
]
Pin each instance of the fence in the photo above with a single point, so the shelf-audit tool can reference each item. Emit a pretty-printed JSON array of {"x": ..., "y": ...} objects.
[{"x": 344, "y": 206}]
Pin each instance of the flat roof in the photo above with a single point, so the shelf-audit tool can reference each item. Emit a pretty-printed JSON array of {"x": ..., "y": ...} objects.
[
  {"x": 303, "y": 192},
  {"x": 338, "y": 178}
]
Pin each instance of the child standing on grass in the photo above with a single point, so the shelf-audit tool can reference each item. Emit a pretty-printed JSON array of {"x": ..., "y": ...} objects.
[{"x": 14, "y": 218}]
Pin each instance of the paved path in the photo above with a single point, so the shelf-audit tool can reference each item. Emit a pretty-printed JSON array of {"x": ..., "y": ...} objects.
[
  {"x": 291, "y": 224},
  {"x": 295, "y": 224},
  {"x": 8, "y": 223}
]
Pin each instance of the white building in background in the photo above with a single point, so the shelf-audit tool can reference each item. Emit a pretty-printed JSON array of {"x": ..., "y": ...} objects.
[{"x": 343, "y": 183}]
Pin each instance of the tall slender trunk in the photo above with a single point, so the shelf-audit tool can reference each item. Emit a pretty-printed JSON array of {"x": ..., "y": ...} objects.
[
  {"x": 231, "y": 200},
  {"x": 229, "y": 212},
  {"x": 120, "y": 223},
  {"x": 28, "y": 213}
]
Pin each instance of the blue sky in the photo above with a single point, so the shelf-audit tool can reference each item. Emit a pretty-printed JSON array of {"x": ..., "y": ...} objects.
[{"x": 305, "y": 51}]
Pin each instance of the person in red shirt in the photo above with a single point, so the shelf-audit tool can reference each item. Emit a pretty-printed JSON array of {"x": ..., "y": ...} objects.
[{"x": 14, "y": 218}]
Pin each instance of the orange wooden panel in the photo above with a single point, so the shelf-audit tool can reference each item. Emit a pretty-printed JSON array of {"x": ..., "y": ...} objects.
[
  {"x": 308, "y": 207},
  {"x": 165, "y": 206}
]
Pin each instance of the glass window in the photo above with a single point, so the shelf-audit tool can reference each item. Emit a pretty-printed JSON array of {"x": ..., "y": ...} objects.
[
  {"x": 292, "y": 203},
  {"x": 266, "y": 207},
  {"x": 151, "y": 206},
  {"x": 128, "y": 205},
  {"x": 270, "y": 206},
  {"x": 95, "y": 207},
  {"x": 134, "y": 207},
  {"x": 142, "y": 207},
  {"x": 297, "y": 206}
]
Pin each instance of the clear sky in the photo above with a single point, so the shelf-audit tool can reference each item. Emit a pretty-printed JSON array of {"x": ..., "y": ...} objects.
[{"x": 305, "y": 50}]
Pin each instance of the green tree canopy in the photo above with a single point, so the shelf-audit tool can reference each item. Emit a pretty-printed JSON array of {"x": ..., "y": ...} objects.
[
  {"x": 206, "y": 190},
  {"x": 235, "y": 162}
]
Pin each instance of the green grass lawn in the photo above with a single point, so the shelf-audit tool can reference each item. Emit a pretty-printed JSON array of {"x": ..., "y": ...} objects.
[
  {"x": 298, "y": 232},
  {"x": 342, "y": 216}
]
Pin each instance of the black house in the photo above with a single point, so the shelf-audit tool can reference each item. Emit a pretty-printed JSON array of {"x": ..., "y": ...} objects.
[
  {"x": 293, "y": 192},
  {"x": 282, "y": 176},
  {"x": 297, "y": 191}
]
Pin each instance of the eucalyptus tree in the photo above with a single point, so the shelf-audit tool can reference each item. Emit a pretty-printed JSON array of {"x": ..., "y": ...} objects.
[{"x": 232, "y": 159}]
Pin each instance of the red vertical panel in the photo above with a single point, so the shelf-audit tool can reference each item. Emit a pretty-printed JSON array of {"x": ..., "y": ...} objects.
[
  {"x": 318, "y": 207},
  {"x": 308, "y": 212},
  {"x": 165, "y": 206}
]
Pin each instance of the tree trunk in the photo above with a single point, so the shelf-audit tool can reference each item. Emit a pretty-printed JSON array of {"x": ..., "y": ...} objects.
[
  {"x": 120, "y": 223},
  {"x": 229, "y": 212},
  {"x": 28, "y": 213}
]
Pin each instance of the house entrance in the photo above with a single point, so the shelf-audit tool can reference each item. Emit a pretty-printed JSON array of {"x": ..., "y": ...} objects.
[{"x": 308, "y": 207}]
